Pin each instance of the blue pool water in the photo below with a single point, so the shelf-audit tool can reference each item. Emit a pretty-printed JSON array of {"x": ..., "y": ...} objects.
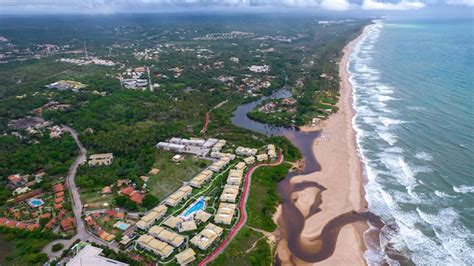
[
  {"x": 36, "y": 202},
  {"x": 122, "y": 226},
  {"x": 198, "y": 205}
]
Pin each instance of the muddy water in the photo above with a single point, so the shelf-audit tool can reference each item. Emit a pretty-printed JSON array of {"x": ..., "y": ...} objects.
[{"x": 291, "y": 222}]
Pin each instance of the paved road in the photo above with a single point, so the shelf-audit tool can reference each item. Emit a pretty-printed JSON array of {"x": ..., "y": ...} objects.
[
  {"x": 243, "y": 211},
  {"x": 82, "y": 234}
]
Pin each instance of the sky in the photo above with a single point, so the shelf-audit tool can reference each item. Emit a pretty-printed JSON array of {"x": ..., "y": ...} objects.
[{"x": 368, "y": 7}]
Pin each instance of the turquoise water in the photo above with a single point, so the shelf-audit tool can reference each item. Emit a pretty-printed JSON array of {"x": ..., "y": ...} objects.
[
  {"x": 122, "y": 226},
  {"x": 414, "y": 99},
  {"x": 198, "y": 205},
  {"x": 36, "y": 202}
]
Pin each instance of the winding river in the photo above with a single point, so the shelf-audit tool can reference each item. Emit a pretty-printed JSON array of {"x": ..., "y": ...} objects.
[{"x": 291, "y": 221}]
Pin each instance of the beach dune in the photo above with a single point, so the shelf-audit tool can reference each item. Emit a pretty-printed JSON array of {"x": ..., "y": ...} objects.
[{"x": 342, "y": 177}]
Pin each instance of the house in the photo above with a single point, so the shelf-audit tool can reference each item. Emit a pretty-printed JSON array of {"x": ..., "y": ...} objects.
[
  {"x": 101, "y": 159},
  {"x": 185, "y": 257},
  {"x": 207, "y": 236},
  {"x": 58, "y": 188},
  {"x": 240, "y": 166},
  {"x": 16, "y": 180},
  {"x": 172, "y": 222},
  {"x": 106, "y": 190},
  {"x": 177, "y": 158},
  {"x": 90, "y": 255},
  {"x": 122, "y": 182},
  {"x": 59, "y": 194},
  {"x": 202, "y": 216},
  {"x": 167, "y": 236},
  {"x": 155, "y": 246},
  {"x": 68, "y": 224},
  {"x": 229, "y": 193},
  {"x": 154, "y": 171},
  {"x": 179, "y": 195},
  {"x": 249, "y": 160},
  {"x": 149, "y": 219},
  {"x": 245, "y": 151},
  {"x": 200, "y": 179},
  {"x": 21, "y": 190},
  {"x": 225, "y": 213},
  {"x": 187, "y": 226},
  {"x": 262, "y": 157}
]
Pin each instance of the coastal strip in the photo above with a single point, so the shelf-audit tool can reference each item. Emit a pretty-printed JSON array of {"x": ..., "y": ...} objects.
[
  {"x": 243, "y": 212},
  {"x": 334, "y": 211}
]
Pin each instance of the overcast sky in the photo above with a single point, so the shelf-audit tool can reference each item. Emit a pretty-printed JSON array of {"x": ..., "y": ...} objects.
[{"x": 464, "y": 7}]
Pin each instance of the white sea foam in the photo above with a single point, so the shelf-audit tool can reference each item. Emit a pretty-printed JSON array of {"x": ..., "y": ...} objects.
[
  {"x": 424, "y": 156},
  {"x": 464, "y": 189},
  {"x": 442, "y": 194},
  {"x": 388, "y": 137},
  {"x": 390, "y": 121}
]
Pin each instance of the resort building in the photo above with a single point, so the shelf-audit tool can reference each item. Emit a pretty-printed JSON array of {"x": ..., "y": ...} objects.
[
  {"x": 271, "y": 151},
  {"x": 149, "y": 219},
  {"x": 66, "y": 85},
  {"x": 235, "y": 177},
  {"x": 225, "y": 213},
  {"x": 218, "y": 146},
  {"x": 207, "y": 236},
  {"x": 202, "y": 216},
  {"x": 245, "y": 151},
  {"x": 172, "y": 222},
  {"x": 230, "y": 193},
  {"x": 209, "y": 143},
  {"x": 155, "y": 246},
  {"x": 171, "y": 147},
  {"x": 201, "y": 178},
  {"x": 181, "y": 194},
  {"x": 262, "y": 157},
  {"x": 185, "y": 257},
  {"x": 100, "y": 159},
  {"x": 187, "y": 226},
  {"x": 167, "y": 236},
  {"x": 249, "y": 160},
  {"x": 217, "y": 166},
  {"x": 90, "y": 255},
  {"x": 240, "y": 166}
]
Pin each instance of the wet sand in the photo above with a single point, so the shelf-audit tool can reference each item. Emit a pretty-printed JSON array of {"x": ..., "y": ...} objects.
[{"x": 323, "y": 216}]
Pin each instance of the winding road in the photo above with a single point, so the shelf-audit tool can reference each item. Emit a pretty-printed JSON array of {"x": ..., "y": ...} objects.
[
  {"x": 242, "y": 207},
  {"x": 81, "y": 232}
]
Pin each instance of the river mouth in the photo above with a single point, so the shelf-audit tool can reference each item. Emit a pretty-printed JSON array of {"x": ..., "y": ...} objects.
[{"x": 292, "y": 221}]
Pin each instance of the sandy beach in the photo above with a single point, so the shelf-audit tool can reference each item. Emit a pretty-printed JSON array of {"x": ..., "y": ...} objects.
[{"x": 342, "y": 177}]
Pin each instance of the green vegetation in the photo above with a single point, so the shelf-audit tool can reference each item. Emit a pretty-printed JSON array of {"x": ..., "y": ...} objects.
[
  {"x": 247, "y": 248},
  {"x": 171, "y": 174},
  {"x": 261, "y": 209},
  {"x": 57, "y": 247},
  {"x": 25, "y": 246},
  {"x": 125, "y": 202}
]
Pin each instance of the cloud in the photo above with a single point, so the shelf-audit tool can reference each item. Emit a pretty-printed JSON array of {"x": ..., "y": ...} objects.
[
  {"x": 402, "y": 5},
  {"x": 337, "y": 5},
  {"x": 461, "y": 2}
]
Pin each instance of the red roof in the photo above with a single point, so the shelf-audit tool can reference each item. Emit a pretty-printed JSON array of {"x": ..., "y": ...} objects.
[
  {"x": 14, "y": 178},
  {"x": 127, "y": 191},
  {"x": 137, "y": 197},
  {"x": 58, "y": 206},
  {"x": 32, "y": 227},
  {"x": 21, "y": 225},
  {"x": 3, "y": 220},
  {"x": 11, "y": 224},
  {"x": 68, "y": 224},
  {"x": 59, "y": 194},
  {"x": 50, "y": 224},
  {"x": 45, "y": 215},
  {"x": 59, "y": 200},
  {"x": 58, "y": 188},
  {"x": 110, "y": 212}
]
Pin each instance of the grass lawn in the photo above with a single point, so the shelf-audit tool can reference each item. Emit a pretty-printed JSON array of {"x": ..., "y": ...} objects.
[
  {"x": 241, "y": 251},
  {"x": 172, "y": 175},
  {"x": 261, "y": 209},
  {"x": 95, "y": 200}
]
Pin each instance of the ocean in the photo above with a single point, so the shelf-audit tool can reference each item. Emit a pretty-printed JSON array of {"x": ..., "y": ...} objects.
[{"x": 413, "y": 93}]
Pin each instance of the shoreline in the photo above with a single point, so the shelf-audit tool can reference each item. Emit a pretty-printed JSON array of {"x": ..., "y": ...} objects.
[{"x": 342, "y": 188}]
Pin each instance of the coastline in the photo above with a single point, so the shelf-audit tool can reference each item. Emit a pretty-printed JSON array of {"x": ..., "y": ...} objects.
[{"x": 342, "y": 178}]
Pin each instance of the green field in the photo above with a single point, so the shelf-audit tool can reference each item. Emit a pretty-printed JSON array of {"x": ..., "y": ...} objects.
[{"x": 172, "y": 175}]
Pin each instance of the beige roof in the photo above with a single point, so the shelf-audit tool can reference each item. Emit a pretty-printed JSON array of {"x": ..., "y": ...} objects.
[
  {"x": 207, "y": 236},
  {"x": 166, "y": 235},
  {"x": 225, "y": 213},
  {"x": 240, "y": 165},
  {"x": 229, "y": 193},
  {"x": 172, "y": 221},
  {"x": 249, "y": 160},
  {"x": 185, "y": 256},
  {"x": 202, "y": 216},
  {"x": 188, "y": 226},
  {"x": 156, "y": 246},
  {"x": 262, "y": 157}
]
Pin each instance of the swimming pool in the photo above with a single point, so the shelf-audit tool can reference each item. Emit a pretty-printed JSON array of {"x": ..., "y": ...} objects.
[
  {"x": 34, "y": 203},
  {"x": 122, "y": 226},
  {"x": 199, "y": 204}
]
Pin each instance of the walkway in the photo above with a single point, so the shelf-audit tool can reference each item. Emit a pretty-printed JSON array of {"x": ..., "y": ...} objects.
[{"x": 243, "y": 211}]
